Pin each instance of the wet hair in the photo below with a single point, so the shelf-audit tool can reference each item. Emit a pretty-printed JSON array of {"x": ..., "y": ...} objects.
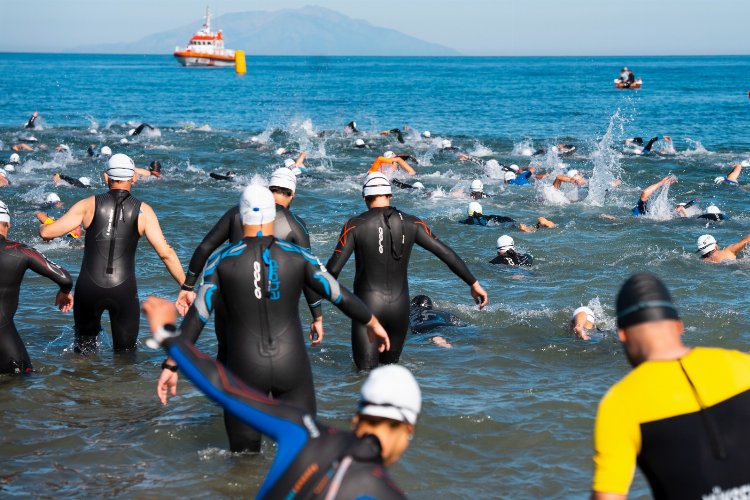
[
  {"x": 281, "y": 190},
  {"x": 644, "y": 298},
  {"x": 422, "y": 301},
  {"x": 369, "y": 199}
]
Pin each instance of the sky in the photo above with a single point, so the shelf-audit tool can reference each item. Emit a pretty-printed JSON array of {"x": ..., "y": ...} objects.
[{"x": 472, "y": 27}]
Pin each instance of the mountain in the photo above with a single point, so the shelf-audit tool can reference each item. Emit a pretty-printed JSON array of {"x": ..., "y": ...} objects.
[{"x": 308, "y": 30}]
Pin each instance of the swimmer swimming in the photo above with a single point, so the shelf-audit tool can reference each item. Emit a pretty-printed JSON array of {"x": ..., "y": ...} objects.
[
  {"x": 641, "y": 208},
  {"x": 229, "y": 176},
  {"x": 139, "y": 129},
  {"x": 710, "y": 252},
  {"x": 81, "y": 182},
  {"x": 394, "y": 131},
  {"x": 507, "y": 255},
  {"x": 32, "y": 121},
  {"x": 477, "y": 218},
  {"x": 733, "y": 178},
  {"x": 154, "y": 169},
  {"x": 392, "y": 159},
  {"x": 572, "y": 176},
  {"x": 423, "y": 317},
  {"x": 582, "y": 322}
]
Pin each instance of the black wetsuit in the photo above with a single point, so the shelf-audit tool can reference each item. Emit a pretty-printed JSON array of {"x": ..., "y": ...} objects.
[
  {"x": 313, "y": 461},
  {"x": 511, "y": 258},
  {"x": 107, "y": 278},
  {"x": 351, "y": 128},
  {"x": 220, "y": 177},
  {"x": 30, "y": 123},
  {"x": 72, "y": 181},
  {"x": 399, "y": 135},
  {"x": 382, "y": 240},
  {"x": 407, "y": 157},
  {"x": 484, "y": 220},
  {"x": 712, "y": 217},
  {"x": 15, "y": 259},
  {"x": 259, "y": 280},
  {"x": 424, "y": 318},
  {"x": 140, "y": 128}
]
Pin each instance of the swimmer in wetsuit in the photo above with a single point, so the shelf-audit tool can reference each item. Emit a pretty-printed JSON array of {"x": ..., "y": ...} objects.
[
  {"x": 635, "y": 145},
  {"x": 476, "y": 218},
  {"x": 81, "y": 182},
  {"x": 392, "y": 159},
  {"x": 229, "y": 176},
  {"x": 15, "y": 259},
  {"x": 139, "y": 129},
  {"x": 313, "y": 461},
  {"x": 712, "y": 214},
  {"x": 114, "y": 223},
  {"x": 733, "y": 178},
  {"x": 32, "y": 121},
  {"x": 382, "y": 239},
  {"x": 680, "y": 415},
  {"x": 259, "y": 281},
  {"x": 476, "y": 191},
  {"x": 154, "y": 169},
  {"x": 403, "y": 185},
  {"x": 423, "y": 317},
  {"x": 641, "y": 207},
  {"x": 507, "y": 255},
  {"x": 394, "y": 131},
  {"x": 351, "y": 128}
]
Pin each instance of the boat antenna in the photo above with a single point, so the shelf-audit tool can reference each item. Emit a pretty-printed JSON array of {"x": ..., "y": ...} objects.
[{"x": 207, "y": 24}]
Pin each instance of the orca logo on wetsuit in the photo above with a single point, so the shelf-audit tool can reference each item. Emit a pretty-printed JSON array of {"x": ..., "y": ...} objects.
[
  {"x": 273, "y": 280},
  {"x": 311, "y": 427},
  {"x": 380, "y": 239},
  {"x": 256, "y": 280}
]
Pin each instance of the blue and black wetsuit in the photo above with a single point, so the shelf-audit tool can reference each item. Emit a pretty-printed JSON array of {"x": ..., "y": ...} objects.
[
  {"x": 511, "y": 258},
  {"x": 15, "y": 259},
  {"x": 259, "y": 281},
  {"x": 382, "y": 240},
  {"x": 484, "y": 220},
  {"x": 423, "y": 317},
  {"x": 107, "y": 278},
  {"x": 313, "y": 461},
  {"x": 522, "y": 179}
]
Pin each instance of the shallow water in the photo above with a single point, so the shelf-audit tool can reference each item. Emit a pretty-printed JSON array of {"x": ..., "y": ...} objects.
[{"x": 508, "y": 410}]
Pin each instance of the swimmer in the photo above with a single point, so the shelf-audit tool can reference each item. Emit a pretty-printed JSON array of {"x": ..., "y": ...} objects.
[
  {"x": 91, "y": 150},
  {"x": 713, "y": 213},
  {"x": 105, "y": 152},
  {"x": 423, "y": 317},
  {"x": 52, "y": 200},
  {"x": 641, "y": 208},
  {"x": 351, "y": 128},
  {"x": 572, "y": 176},
  {"x": 521, "y": 179},
  {"x": 361, "y": 144},
  {"x": 394, "y": 131},
  {"x": 448, "y": 147},
  {"x": 427, "y": 134},
  {"x": 62, "y": 148},
  {"x": 313, "y": 460},
  {"x": 154, "y": 169},
  {"x": 635, "y": 145},
  {"x": 32, "y": 121},
  {"x": 733, "y": 178},
  {"x": 259, "y": 281},
  {"x": 45, "y": 218},
  {"x": 476, "y": 218},
  {"x": 582, "y": 322},
  {"x": 296, "y": 166},
  {"x": 382, "y": 239},
  {"x": 403, "y": 185},
  {"x": 390, "y": 158},
  {"x": 13, "y": 161},
  {"x": 477, "y": 190},
  {"x": 681, "y": 208},
  {"x": 4, "y": 182},
  {"x": 710, "y": 251},
  {"x": 229, "y": 176},
  {"x": 473, "y": 159},
  {"x": 21, "y": 146},
  {"x": 81, "y": 182},
  {"x": 15, "y": 259},
  {"x": 560, "y": 149},
  {"x": 507, "y": 255},
  {"x": 114, "y": 223},
  {"x": 680, "y": 416},
  {"x": 541, "y": 223},
  {"x": 139, "y": 129}
]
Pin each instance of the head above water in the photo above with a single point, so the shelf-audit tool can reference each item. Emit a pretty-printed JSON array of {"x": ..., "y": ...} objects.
[
  {"x": 573, "y": 173},
  {"x": 509, "y": 176},
  {"x": 376, "y": 184},
  {"x": 713, "y": 209},
  {"x": 477, "y": 186},
  {"x": 514, "y": 168},
  {"x": 505, "y": 243},
  {"x": 52, "y": 198},
  {"x": 257, "y": 206},
  {"x": 584, "y": 309},
  {"x": 422, "y": 301},
  {"x": 155, "y": 167},
  {"x": 426, "y": 134},
  {"x": 284, "y": 178},
  {"x": 644, "y": 298},
  {"x": 14, "y": 159},
  {"x": 106, "y": 151},
  {"x": 359, "y": 143},
  {"x": 120, "y": 167},
  {"x": 706, "y": 244},
  {"x": 446, "y": 144},
  {"x": 475, "y": 208},
  {"x": 391, "y": 392}
]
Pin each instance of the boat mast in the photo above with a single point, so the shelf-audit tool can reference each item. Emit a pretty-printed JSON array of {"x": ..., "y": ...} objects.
[{"x": 207, "y": 25}]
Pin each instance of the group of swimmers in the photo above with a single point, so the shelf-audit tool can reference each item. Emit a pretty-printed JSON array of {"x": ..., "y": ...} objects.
[{"x": 252, "y": 285}]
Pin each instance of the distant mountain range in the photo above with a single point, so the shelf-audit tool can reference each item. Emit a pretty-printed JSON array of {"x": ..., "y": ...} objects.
[{"x": 306, "y": 31}]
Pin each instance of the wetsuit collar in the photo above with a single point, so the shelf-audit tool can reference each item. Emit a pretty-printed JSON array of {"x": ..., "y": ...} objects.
[{"x": 367, "y": 449}]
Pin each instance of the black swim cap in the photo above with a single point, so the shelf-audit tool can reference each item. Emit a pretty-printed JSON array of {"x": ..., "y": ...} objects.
[
  {"x": 155, "y": 166},
  {"x": 642, "y": 298},
  {"x": 422, "y": 301}
]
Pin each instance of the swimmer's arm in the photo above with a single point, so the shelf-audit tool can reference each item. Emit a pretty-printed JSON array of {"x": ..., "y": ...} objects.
[
  {"x": 343, "y": 250},
  {"x": 38, "y": 263},
  {"x": 142, "y": 172},
  {"x": 314, "y": 301},
  {"x": 405, "y": 166},
  {"x": 321, "y": 281},
  {"x": 559, "y": 180},
  {"x": 156, "y": 238},
  {"x": 300, "y": 162},
  {"x": 429, "y": 242},
  {"x": 68, "y": 222},
  {"x": 72, "y": 181},
  {"x": 215, "y": 237},
  {"x": 736, "y": 248}
]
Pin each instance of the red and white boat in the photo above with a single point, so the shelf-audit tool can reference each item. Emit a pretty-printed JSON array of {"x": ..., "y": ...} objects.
[{"x": 205, "y": 48}]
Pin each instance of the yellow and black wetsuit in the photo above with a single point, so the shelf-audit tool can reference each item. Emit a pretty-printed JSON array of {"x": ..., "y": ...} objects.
[{"x": 685, "y": 422}]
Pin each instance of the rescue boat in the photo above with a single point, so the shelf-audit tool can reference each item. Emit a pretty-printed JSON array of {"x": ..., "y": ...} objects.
[
  {"x": 205, "y": 48},
  {"x": 635, "y": 85}
]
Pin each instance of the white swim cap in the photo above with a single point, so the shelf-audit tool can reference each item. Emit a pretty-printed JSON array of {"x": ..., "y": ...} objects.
[
  {"x": 573, "y": 172},
  {"x": 257, "y": 205},
  {"x": 289, "y": 163},
  {"x": 131, "y": 131},
  {"x": 354, "y": 124},
  {"x": 14, "y": 158},
  {"x": 9, "y": 168},
  {"x": 475, "y": 208},
  {"x": 418, "y": 185},
  {"x": 555, "y": 149},
  {"x": 446, "y": 143},
  {"x": 477, "y": 186},
  {"x": 509, "y": 176},
  {"x": 589, "y": 314},
  {"x": 284, "y": 178},
  {"x": 123, "y": 141},
  {"x": 389, "y": 154},
  {"x": 359, "y": 142},
  {"x": 713, "y": 209},
  {"x": 4, "y": 213},
  {"x": 120, "y": 167},
  {"x": 505, "y": 242},
  {"x": 514, "y": 168},
  {"x": 52, "y": 198},
  {"x": 376, "y": 184},
  {"x": 706, "y": 244},
  {"x": 85, "y": 181},
  {"x": 745, "y": 163},
  {"x": 280, "y": 151},
  {"x": 391, "y": 392},
  {"x": 426, "y": 134},
  {"x": 106, "y": 151},
  {"x": 719, "y": 180}
]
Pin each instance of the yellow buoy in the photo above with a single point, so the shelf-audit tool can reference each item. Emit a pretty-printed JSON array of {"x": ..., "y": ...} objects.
[{"x": 240, "y": 66}]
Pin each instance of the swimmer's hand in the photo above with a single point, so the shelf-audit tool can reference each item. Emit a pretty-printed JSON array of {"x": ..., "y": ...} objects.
[
  {"x": 64, "y": 301},
  {"x": 479, "y": 294},
  {"x": 184, "y": 300},
  {"x": 161, "y": 312},
  {"x": 376, "y": 330},
  {"x": 316, "y": 331},
  {"x": 580, "y": 331}
]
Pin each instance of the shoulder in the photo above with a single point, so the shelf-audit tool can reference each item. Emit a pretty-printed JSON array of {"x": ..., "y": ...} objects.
[
  {"x": 224, "y": 252},
  {"x": 291, "y": 248}
]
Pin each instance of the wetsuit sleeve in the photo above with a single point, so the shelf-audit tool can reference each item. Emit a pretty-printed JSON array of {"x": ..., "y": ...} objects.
[
  {"x": 343, "y": 250},
  {"x": 282, "y": 423},
  {"x": 215, "y": 237},
  {"x": 302, "y": 238},
  {"x": 199, "y": 313},
  {"x": 45, "y": 267},
  {"x": 320, "y": 280},
  {"x": 616, "y": 443},
  {"x": 429, "y": 242},
  {"x": 72, "y": 181}
]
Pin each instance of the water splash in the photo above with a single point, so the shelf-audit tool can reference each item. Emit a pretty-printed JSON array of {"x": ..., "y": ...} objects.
[
  {"x": 659, "y": 206},
  {"x": 480, "y": 150},
  {"x": 523, "y": 148},
  {"x": 695, "y": 148},
  {"x": 607, "y": 168}
]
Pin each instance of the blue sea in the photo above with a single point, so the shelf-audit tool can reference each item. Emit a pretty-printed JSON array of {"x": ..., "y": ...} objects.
[{"x": 509, "y": 408}]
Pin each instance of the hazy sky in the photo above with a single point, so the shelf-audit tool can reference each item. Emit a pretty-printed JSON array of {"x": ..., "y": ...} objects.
[{"x": 473, "y": 27}]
